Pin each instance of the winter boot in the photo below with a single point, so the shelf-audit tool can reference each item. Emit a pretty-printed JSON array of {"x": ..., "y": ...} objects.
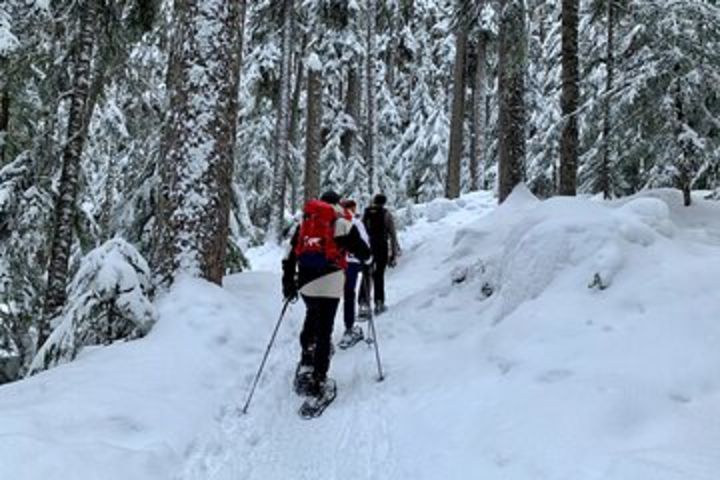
[
  {"x": 380, "y": 308},
  {"x": 304, "y": 382},
  {"x": 323, "y": 393},
  {"x": 351, "y": 337}
]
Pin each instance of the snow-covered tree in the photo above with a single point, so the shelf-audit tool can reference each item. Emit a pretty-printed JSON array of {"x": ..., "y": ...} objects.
[
  {"x": 197, "y": 160},
  {"x": 570, "y": 98},
  {"x": 511, "y": 80},
  {"x": 108, "y": 300}
]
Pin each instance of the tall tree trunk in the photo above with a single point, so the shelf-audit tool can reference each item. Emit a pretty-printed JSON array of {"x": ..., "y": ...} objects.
[
  {"x": 604, "y": 174},
  {"x": 477, "y": 160},
  {"x": 684, "y": 177},
  {"x": 370, "y": 95},
  {"x": 391, "y": 60},
  {"x": 313, "y": 138},
  {"x": 292, "y": 173},
  {"x": 452, "y": 185},
  {"x": 241, "y": 36},
  {"x": 569, "y": 100},
  {"x": 352, "y": 109},
  {"x": 65, "y": 208},
  {"x": 196, "y": 161},
  {"x": 511, "y": 86},
  {"x": 4, "y": 120},
  {"x": 282, "y": 127}
]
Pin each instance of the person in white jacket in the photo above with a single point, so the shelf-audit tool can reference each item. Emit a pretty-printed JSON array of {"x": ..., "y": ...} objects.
[{"x": 353, "y": 333}]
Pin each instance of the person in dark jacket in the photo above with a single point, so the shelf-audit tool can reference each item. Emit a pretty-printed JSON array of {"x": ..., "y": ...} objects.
[
  {"x": 321, "y": 288},
  {"x": 385, "y": 248}
]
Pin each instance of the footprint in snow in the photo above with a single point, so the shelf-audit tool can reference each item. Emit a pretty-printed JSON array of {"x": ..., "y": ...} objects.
[
  {"x": 679, "y": 397},
  {"x": 554, "y": 376},
  {"x": 503, "y": 364}
]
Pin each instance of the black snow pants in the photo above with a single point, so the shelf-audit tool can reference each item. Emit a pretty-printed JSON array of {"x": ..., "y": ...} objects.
[
  {"x": 316, "y": 335},
  {"x": 378, "y": 284}
]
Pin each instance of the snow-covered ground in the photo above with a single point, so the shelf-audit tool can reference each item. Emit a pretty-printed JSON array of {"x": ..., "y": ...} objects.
[{"x": 563, "y": 339}]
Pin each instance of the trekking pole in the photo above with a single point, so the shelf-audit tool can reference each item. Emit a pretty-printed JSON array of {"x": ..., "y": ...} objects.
[
  {"x": 371, "y": 319},
  {"x": 265, "y": 357}
]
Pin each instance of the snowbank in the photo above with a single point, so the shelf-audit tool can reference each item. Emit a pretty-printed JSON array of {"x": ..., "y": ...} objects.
[
  {"x": 527, "y": 244},
  {"x": 567, "y": 338},
  {"x": 132, "y": 410}
]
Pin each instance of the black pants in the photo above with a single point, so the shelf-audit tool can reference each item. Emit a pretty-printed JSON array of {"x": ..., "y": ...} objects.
[
  {"x": 316, "y": 334},
  {"x": 378, "y": 287},
  {"x": 351, "y": 276}
]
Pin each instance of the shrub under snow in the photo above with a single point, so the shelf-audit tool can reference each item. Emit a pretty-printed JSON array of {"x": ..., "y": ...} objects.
[{"x": 109, "y": 300}]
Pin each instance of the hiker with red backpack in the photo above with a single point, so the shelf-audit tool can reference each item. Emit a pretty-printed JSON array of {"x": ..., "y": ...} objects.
[
  {"x": 385, "y": 249},
  {"x": 314, "y": 268},
  {"x": 353, "y": 333}
]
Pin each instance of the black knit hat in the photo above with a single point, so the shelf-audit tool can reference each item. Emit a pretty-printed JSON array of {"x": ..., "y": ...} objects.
[
  {"x": 330, "y": 197},
  {"x": 380, "y": 199}
]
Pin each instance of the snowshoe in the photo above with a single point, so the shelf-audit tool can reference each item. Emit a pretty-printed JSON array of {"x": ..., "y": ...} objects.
[
  {"x": 315, "y": 405},
  {"x": 304, "y": 382},
  {"x": 351, "y": 337}
]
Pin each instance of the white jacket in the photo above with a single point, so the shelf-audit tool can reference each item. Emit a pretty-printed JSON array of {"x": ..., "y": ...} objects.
[{"x": 363, "y": 234}]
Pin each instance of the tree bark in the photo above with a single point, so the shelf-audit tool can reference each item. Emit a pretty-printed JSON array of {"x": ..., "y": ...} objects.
[
  {"x": 511, "y": 90},
  {"x": 684, "y": 177},
  {"x": 352, "y": 109},
  {"x": 569, "y": 100},
  {"x": 477, "y": 160},
  {"x": 391, "y": 59},
  {"x": 313, "y": 137},
  {"x": 292, "y": 174},
  {"x": 282, "y": 127},
  {"x": 604, "y": 174},
  {"x": 4, "y": 120},
  {"x": 65, "y": 208},
  {"x": 370, "y": 95},
  {"x": 452, "y": 182},
  {"x": 196, "y": 161}
]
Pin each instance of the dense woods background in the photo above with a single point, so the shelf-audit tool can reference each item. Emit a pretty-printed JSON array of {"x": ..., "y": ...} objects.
[{"x": 141, "y": 140}]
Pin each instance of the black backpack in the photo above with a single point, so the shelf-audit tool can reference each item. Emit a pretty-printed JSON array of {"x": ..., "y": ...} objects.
[{"x": 374, "y": 221}]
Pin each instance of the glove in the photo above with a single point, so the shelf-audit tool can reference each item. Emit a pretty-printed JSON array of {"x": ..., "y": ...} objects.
[{"x": 290, "y": 290}]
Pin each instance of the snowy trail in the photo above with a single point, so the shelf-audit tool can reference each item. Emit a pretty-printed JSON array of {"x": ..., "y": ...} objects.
[
  {"x": 359, "y": 435},
  {"x": 273, "y": 442},
  {"x": 560, "y": 389},
  {"x": 365, "y": 434}
]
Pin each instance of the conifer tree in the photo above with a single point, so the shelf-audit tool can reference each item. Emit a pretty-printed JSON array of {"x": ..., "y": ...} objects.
[
  {"x": 511, "y": 84},
  {"x": 457, "y": 119},
  {"x": 65, "y": 210},
  {"x": 281, "y": 154},
  {"x": 198, "y": 142},
  {"x": 570, "y": 97}
]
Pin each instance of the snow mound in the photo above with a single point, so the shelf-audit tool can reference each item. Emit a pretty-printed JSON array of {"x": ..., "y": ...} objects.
[
  {"x": 441, "y": 208},
  {"x": 525, "y": 245},
  {"x": 132, "y": 410}
]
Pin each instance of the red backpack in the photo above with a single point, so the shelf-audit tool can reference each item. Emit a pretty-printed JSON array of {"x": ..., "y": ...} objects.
[{"x": 316, "y": 246}]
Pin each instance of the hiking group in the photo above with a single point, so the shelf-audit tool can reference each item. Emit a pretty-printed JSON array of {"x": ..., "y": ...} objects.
[{"x": 329, "y": 251}]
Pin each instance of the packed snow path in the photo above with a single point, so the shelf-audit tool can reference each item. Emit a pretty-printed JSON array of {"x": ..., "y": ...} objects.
[
  {"x": 372, "y": 429},
  {"x": 555, "y": 392}
]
